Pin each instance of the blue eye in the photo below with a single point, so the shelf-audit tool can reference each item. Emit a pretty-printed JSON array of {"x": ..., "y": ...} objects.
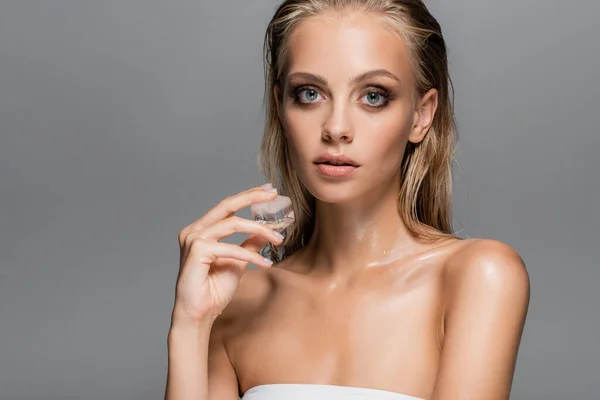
[
  {"x": 308, "y": 95},
  {"x": 373, "y": 98}
]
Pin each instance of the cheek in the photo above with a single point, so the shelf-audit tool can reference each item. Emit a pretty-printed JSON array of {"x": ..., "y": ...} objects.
[
  {"x": 385, "y": 139},
  {"x": 303, "y": 133},
  {"x": 386, "y": 154}
]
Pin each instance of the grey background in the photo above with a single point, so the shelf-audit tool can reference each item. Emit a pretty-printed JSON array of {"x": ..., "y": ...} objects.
[{"x": 123, "y": 121}]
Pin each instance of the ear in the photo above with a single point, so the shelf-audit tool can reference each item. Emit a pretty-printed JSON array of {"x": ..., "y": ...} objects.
[{"x": 424, "y": 113}]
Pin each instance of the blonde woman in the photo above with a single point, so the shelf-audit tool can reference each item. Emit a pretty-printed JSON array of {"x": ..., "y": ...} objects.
[{"x": 370, "y": 294}]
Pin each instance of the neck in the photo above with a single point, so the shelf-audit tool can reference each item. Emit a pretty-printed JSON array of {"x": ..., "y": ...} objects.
[{"x": 349, "y": 237}]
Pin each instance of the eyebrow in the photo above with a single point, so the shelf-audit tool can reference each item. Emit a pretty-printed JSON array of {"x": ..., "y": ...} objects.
[{"x": 359, "y": 78}]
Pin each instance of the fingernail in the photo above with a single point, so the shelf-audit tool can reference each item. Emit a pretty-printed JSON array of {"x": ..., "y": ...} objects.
[
  {"x": 279, "y": 235},
  {"x": 267, "y": 261},
  {"x": 270, "y": 189},
  {"x": 266, "y": 185}
]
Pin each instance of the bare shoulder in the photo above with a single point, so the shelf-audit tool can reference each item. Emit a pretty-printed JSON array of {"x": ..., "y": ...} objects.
[
  {"x": 488, "y": 258},
  {"x": 251, "y": 293},
  {"x": 486, "y": 297},
  {"x": 487, "y": 266}
]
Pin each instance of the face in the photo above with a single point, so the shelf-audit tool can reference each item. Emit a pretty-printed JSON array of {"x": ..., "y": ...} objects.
[{"x": 349, "y": 92}]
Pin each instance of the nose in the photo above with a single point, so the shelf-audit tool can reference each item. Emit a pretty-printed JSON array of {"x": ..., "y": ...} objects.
[{"x": 338, "y": 126}]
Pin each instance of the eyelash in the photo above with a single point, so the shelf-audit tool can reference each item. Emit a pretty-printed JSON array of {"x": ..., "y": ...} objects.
[{"x": 387, "y": 96}]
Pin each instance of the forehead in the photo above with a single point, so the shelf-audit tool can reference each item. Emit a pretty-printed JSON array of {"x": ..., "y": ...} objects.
[{"x": 343, "y": 45}]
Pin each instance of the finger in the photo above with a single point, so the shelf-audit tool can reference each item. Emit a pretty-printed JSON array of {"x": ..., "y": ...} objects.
[
  {"x": 232, "y": 204},
  {"x": 228, "y": 207},
  {"x": 228, "y": 227},
  {"x": 231, "y": 225},
  {"x": 208, "y": 252},
  {"x": 254, "y": 243}
]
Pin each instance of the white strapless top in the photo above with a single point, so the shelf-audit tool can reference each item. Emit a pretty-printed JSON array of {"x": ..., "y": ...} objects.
[{"x": 296, "y": 391}]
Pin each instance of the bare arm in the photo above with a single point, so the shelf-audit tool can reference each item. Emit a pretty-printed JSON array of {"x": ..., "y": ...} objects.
[
  {"x": 488, "y": 298},
  {"x": 209, "y": 274},
  {"x": 187, "y": 376},
  {"x": 199, "y": 367}
]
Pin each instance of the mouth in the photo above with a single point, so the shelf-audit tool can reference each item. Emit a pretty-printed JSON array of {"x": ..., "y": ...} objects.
[
  {"x": 335, "y": 166},
  {"x": 337, "y": 161}
]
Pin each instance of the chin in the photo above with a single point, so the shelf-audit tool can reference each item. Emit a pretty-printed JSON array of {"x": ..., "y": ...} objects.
[{"x": 334, "y": 191}]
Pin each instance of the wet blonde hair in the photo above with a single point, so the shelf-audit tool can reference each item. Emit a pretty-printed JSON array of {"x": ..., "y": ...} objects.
[{"x": 424, "y": 202}]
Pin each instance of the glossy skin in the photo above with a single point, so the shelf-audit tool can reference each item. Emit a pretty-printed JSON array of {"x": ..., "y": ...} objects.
[
  {"x": 444, "y": 323},
  {"x": 441, "y": 320}
]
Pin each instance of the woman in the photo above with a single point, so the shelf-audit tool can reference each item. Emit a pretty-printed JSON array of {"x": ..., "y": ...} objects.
[{"x": 371, "y": 293}]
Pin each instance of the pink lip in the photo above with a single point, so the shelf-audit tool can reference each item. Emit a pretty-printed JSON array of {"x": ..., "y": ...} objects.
[
  {"x": 336, "y": 159},
  {"x": 336, "y": 170}
]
